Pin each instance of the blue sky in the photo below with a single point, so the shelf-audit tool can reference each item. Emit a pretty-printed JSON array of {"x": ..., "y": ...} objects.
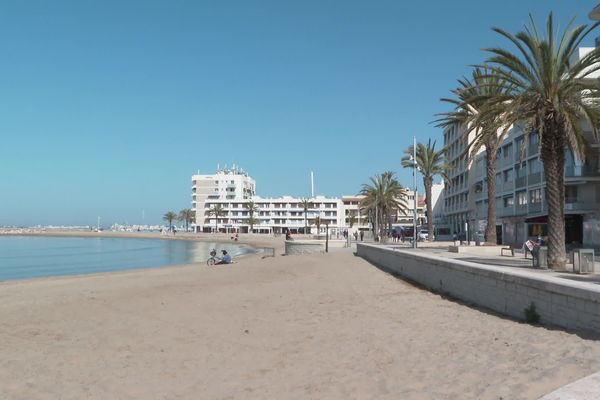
[{"x": 109, "y": 107}]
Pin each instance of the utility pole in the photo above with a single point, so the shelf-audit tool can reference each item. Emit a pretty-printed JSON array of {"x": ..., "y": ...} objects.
[
  {"x": 415, "y": 192},
  {"x": 98, "y": 226}
]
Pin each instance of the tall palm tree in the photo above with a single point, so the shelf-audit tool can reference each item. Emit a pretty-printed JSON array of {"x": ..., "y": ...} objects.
[
  {"x": 431, "y": 163},
  {"x": 252, "y": 208},
  {"x": 471, "y": 97},
  {"x": 217, "y": 211},
  {"x": 318, "y": 221},
  {"x": 351, "y": 218},
  {"x": 553, "y": 96},
  {"x": 383, "y": 196},
  {"x": 186, "y": 215},
  {"x": 170, "y": 216},
  {"x": 305, "y": 204}
]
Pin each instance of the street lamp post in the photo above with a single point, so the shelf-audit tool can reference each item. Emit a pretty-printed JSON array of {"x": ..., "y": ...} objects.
[{"x": 414, "y": 160}]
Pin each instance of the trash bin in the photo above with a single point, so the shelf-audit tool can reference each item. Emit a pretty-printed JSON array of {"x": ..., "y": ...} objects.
[
  {"x": 540, "y": 257},
  {"x": 583, "y": 261}
]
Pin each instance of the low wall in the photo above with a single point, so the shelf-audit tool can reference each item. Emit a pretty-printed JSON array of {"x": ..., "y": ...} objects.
[
  {"x": 561, "y": 302},
  {"x": 304, "y": 247}
]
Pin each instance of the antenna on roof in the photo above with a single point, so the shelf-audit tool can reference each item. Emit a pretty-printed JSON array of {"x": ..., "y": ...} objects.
[{"x": 312, "y": 185}]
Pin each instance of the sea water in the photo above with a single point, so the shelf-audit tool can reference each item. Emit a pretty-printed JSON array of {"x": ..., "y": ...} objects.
[{"x": 24, "y": 257}]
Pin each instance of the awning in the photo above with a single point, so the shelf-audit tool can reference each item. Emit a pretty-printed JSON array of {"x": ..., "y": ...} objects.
[{"x": 541, "y": 219}]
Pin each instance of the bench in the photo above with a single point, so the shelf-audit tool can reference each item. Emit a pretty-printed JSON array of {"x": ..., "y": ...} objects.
[{"x": 512, "y": 248}]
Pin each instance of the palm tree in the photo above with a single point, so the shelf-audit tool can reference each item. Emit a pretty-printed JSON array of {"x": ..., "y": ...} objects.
[
  {"x": 383, "y": 196},
  {"x": 351, "y": 218},
  {"x": 431, "y": 163},
  {"x": 318, "y": 221},
  {"x": 252, "y": 208},
  {"x": 217, "y": 211},
  {"x": 552, "y": 95},
  {"x": 169, "y": 217},
  {"x": 471, "y": 97},
  {"x": 305, "y": 204},
  {"x": 186, "y": 215}
]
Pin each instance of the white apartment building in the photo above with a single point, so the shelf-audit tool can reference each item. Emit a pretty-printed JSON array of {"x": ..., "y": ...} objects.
[
  {"x": 233, "y": 189},
  {"x": 455, "y": 213},
  {"x": 225, "y": 184}
]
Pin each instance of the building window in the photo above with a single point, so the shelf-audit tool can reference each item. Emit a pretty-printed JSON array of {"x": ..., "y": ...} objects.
[
  {"x": 522, "y": 198},
  {"x": 534, "y": 166},
  {"x": 535, "y": 196},
  {"x": 509, "y": 201},
  {"x": 508, "y": 175},
  {"x": 507, "y": 151},
  {"x": 570, "y": 194}
]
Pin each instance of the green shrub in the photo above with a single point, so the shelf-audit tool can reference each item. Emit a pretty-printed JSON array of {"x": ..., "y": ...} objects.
[{"x": 531, "y": 315}]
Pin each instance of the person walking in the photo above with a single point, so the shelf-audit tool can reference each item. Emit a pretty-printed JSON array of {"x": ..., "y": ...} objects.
[{"x": 362, "y": 235}]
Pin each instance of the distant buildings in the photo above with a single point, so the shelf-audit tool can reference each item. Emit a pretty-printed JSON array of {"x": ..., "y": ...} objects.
[{"x": 233, "y": 189}]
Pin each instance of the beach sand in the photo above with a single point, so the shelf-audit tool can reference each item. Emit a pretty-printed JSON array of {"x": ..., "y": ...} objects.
[{"x": 299, "y": 327}]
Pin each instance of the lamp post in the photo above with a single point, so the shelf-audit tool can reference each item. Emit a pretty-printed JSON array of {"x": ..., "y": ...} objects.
[{"x": 414, "y": 160}]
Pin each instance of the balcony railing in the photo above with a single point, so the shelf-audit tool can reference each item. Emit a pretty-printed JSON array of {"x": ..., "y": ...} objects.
[
  {"x": 535, "y": 207},
  {"x": 571, "y": 205},
  {"x": 581, "y": 171},
  {"x": 521, "y": 182}
]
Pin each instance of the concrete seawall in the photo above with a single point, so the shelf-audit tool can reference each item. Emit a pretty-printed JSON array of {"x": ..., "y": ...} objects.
[{"x": 560, "y": 302}]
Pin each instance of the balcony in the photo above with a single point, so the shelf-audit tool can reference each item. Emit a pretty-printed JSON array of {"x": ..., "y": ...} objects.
[
  {"x": 579, "y": 171},
  {"x": 535, "y": 207},
  {"x": 520, "y": 182},
  {"x": 573, "y": 205},
  {"x": 521, "y": 209}
]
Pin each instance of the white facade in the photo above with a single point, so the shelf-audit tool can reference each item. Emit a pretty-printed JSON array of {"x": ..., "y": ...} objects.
[
  {"x": 234, "y": 189},
  {"x": 225, "y": 184}
]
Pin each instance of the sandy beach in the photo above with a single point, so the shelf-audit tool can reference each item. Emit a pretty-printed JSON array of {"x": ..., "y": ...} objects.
[{"x": 300, "y": 327}]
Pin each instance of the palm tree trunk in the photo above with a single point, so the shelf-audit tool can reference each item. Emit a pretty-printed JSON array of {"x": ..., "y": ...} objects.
[
  {"x": 553, "y": 157},
  {"x": 490, "y": 228},
  {"x": 428, "y": 183},
  {"x": 305, "y": 223}
]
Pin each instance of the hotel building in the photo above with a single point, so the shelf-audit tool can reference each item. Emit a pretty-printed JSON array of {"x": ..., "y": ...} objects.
[{"x": 233, "y": 189}]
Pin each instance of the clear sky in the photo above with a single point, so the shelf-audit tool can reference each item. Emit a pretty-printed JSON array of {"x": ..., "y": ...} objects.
[{"x": 109, "y": 107}]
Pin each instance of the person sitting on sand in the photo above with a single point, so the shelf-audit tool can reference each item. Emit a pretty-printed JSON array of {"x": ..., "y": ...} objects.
[{"x": 226, "y": 259}]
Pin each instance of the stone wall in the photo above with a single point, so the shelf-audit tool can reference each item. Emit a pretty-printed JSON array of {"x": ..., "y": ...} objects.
[{"x": 561, "y": 302}]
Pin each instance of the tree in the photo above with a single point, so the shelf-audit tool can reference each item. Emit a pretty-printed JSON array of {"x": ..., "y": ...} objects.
[
  {"x": 186, "y": 215},
  {"x": 383, "y": 196},
  {"x": 305, "y": 204},
  {"x": 217, "y": 211},
  {"x": 431, "y": 163},
  {"x": 169, "y": 217},
  {"x": 318, "y": 221},
  {"x": 471, "y": 97},
  {"x": 552, "y": 96},
  {"x": 351, "y": 218},
  {"x": 252, "y": 208}
]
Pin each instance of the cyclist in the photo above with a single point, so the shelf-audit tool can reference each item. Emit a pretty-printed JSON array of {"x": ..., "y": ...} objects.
[{"x": 226, "y": 259}]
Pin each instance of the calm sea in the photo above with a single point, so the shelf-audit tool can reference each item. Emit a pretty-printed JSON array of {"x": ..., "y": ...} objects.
[{"x": 24, "y": 257}]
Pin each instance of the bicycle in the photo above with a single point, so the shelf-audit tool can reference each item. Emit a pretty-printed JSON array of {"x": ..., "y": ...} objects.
[{"x": 213, "y": 259}]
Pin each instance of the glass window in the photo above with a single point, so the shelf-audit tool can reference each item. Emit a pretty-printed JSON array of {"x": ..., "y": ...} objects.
[
  {"x": 535, "y": 196},
  {"x": 571, "y": 194},
  {"x": 522, "y": 198},
  {"x": 534, "y": 166},
  {"x": 507, "y": 150},
  {"x": 509, "y": 201},
  {"x": 508, "y": 175}
]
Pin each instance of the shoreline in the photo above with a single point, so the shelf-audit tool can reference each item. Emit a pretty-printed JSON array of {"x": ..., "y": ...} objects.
[{"x": 258, "y": 245}]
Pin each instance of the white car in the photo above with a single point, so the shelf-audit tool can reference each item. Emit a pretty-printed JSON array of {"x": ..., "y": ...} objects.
[{"x": 423, "y": 234}]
